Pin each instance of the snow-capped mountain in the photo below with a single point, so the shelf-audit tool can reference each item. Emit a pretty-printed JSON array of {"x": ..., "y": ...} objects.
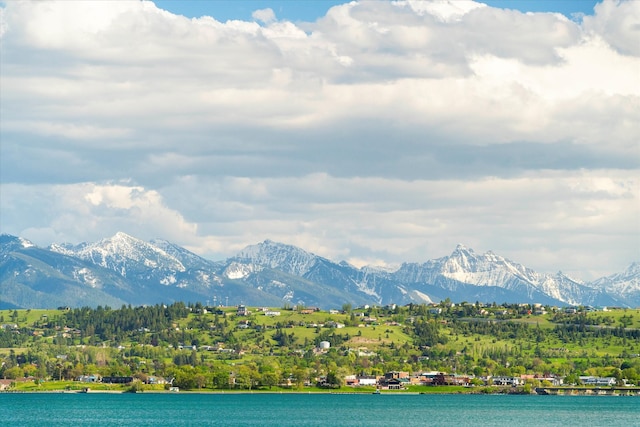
[
  {"x": 124, "y": 269},
  {"x": 124, "y": 254},
  {"x": 464, "y": 266},
  {"x": 286, "y": 258},
  {"x": 463, "y": 275},
  {"x": 625, "y": 285},
  {"x": 158, "y": 269},
  {"x": 152, "y": 263},
  {"x": 286, "y": 265},
  {"x": 10, "y": 243},
  {"x": 36, "y": 277}
]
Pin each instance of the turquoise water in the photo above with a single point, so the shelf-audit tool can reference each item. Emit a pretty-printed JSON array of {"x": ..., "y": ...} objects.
[{"x": 181, "y": 409}]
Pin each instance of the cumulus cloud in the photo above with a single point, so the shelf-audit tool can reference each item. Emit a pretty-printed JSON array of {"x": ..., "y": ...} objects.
[
  {"x": 617, "y": 22},
  {"x": 384, "y": 130},
  {"x": 88, "y": 211}
]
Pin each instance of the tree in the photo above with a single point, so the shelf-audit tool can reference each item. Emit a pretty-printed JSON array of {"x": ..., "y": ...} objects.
[
  {"x": 136, "y": 387},
  {"x": 269, "y": 379},
  {"x": 631, "y": 375},
  {"x": 220, "y": 378},
  {"x": 41, "y": 373},
  {"x": 333, "y": 380},
  {"x": 572, "y": 379},
  {"x": 14, "y": 373},
  {"x": 201, "y": 380},
  {"x": 247, "y": 376},
  {"x": 184, "y": 377},
  {"x": 77, "y": 370},
  {"x": 299, "y": 376}
]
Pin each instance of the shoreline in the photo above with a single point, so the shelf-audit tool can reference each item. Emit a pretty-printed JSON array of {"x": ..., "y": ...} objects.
[{"x": 634, "y": 392}]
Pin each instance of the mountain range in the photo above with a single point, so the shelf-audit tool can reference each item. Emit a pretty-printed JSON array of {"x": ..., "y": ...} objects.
[{"x": 125, "y": 270}]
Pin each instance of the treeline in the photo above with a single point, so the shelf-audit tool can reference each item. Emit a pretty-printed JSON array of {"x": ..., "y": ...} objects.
[
  {"x": 574, "y": 333},
  {"x": 107, "y": 324}
]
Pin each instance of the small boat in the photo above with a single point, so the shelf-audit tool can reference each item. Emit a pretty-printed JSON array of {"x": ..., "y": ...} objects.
[{"x": 376, "y": 392}]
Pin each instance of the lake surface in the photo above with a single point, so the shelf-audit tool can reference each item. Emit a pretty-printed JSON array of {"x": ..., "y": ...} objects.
[{"x": 183, "y": 409}]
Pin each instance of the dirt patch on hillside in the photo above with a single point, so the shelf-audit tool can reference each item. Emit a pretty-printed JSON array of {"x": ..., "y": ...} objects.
[{"x": 363, "y": 340}]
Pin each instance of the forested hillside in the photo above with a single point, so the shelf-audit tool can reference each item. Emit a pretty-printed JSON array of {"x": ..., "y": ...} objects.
[{"x": 198, "y": 347}]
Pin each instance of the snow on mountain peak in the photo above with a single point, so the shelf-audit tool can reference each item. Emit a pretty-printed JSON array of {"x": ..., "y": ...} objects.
[
  {"x": 461, "y": 249},
  {"x": 121, "y": 250},
  {"x": 160, "y": 262},
  {"x": 20, "y": 241},
  {"x": 562, "y": 276},
  {"x": 62, "y": 248},
  {"x": 625, "y": 283},
  {"x": 462, "y": 259},
  {"x": 270, "y": 254},
  {"x": 10, "y": 243},
  {"x": 384, "y": 269},
  {"x": 633, "y": 269},
  {"x": 26, "y": 243},
  {"x": 187, "y": 258}
]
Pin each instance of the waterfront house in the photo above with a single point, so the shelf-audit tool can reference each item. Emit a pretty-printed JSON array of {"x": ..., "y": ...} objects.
[
  {"x": 396, "y": 374},
  {"x": 509, "y": 381},
  {"x": 391, "y": 383},
  {"x": 94, "y": 378},
  {"x": 367, "y": 380},
  {"x": 351, "y": 380},
  {"x": 117, "y": 380},
  {"x": 450, "y": 379},
  {"x": 598, "y": 381},
  {"x": 427, "y": 378},
  {"x": 156, "y": 380}
]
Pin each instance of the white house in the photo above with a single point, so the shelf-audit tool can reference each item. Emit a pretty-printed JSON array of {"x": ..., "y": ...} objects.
[
  {"x": 367, "y": 380},
  {"x": 512, "y": 381},
  {"x": 598, "y": 381},
  {"x": 272, "y": 313}
]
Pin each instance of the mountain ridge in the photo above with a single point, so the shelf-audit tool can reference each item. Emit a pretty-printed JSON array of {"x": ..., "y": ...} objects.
[{"x": 124, "y": 269}]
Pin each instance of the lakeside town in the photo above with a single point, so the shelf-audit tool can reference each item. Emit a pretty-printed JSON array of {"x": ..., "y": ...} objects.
[{"x": 437, "y": 348}]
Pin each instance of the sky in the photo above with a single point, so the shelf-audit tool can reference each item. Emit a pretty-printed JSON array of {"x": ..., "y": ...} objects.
[
  {"x": 310, "y": 10},
  {"x": 375, "y": 132}
]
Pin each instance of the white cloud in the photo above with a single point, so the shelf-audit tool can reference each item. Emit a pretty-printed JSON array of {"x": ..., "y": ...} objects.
[
  {"x": 265, "y": 16},
  {"x": 89, "y": 211},
  {"x": 384, "y": 130},
  {"x": 445, "y": 10},
  {"x": 617, "y": 22},
  {"x": 362, "y": 219}
]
